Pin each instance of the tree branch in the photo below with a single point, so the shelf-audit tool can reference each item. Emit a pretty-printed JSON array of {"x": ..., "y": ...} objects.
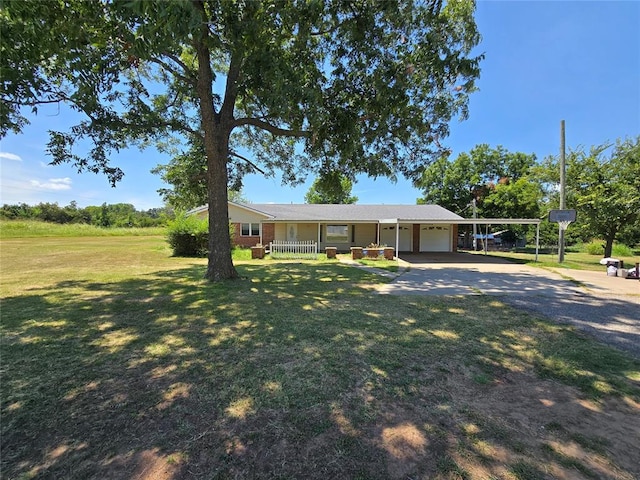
[
  {"x": 283, "y": 132},
  {"x": 231, "y": 152},
  {"x": 184, "y": 66},
  {"x": 33, "y": 103},
  {"x": 190, "y": 80},
  {"x": 231, "y": 88}
]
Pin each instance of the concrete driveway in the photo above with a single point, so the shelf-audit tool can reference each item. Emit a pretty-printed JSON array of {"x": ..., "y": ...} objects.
[
  {"x": 466, "y": 274},
  {"x": 605, "y": 307}
]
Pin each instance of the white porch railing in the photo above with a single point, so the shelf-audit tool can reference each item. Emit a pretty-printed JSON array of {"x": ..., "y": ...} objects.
[{"x": 286, "y": 249}]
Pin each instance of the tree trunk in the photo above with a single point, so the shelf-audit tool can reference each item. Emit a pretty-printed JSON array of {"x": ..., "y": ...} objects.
[
  {"x": 220, "y": 264},
  {"x": 608, "y": 246},
  {"x": 217, "y": 129}
]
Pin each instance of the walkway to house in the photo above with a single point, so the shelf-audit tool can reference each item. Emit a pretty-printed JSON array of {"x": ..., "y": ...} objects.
[{"x": 605, "y": 307}]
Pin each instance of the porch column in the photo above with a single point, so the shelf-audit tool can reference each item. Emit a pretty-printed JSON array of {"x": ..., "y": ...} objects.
[
  {"x": 378, "y": 233},
  {"x": 486, "y": 238},
  {"x": 397, "y": 237},
  {"x": 319, "y": 233},
  {"x": 415, "y": 238},
  {"x": 537, "y": 240}
]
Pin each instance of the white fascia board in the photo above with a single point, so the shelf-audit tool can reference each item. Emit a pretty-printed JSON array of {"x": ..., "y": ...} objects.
[
  {"x": 330, "y": 221},
  {"x": 499, "y": 221}
]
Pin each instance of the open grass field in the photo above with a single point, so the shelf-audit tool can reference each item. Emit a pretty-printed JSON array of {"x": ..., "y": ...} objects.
[
  {"x": 119, "y": 361},
  {"x": 35, "y": 228}
]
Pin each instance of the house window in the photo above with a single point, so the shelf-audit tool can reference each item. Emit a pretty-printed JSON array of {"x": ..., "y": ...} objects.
[
  {"x": 337, "y": 233},
  {"x": 250, "y": 230}
]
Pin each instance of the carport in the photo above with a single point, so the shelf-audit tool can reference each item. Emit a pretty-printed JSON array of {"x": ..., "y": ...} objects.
[
  {"x": 398, "y": 224},
  {"x": 487, "y": 222}
]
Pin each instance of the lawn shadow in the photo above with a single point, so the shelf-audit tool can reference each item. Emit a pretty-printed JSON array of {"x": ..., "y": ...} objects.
[{"x": 295, "y": 370}]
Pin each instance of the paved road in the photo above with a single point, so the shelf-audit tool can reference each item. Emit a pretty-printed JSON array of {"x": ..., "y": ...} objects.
[{"x": 605, "y": 307}]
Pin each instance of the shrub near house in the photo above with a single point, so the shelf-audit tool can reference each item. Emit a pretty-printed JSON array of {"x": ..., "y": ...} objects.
[{"x": 188, "y": 235}]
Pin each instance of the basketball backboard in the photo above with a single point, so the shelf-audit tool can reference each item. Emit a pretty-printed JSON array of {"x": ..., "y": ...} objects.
[{"x": 557, "y": 216}]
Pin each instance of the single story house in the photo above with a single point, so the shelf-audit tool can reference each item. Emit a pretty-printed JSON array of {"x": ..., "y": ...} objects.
[{"x": 407, "y": 228}]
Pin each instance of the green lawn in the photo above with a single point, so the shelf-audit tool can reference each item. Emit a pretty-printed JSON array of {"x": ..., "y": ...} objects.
[
  {"x": 573, "y": 260},
  {"x": 119, "y": 361}
]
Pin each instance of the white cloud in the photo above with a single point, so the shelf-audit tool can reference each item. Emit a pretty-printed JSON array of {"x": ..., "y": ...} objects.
[
  {"x": 10, "y": 156},
  {"x": 53, "y": 184}
]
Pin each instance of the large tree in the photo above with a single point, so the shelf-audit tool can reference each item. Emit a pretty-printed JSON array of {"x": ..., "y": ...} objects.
[{"x": 357, "y": 87}]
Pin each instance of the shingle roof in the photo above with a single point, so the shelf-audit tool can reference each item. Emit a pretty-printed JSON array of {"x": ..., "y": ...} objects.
[{"x": 351, "y": 213}]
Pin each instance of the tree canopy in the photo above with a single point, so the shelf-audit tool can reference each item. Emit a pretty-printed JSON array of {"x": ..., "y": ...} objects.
[
  {"x": 493, "y": 181},
  {"x": 497, "y": 179},
  {"x": 235, "y": 87},
  {"x": 333, "y": 188},
  {"x": 603, "y": 185}
]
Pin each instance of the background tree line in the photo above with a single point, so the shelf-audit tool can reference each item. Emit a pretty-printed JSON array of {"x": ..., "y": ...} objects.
[
  {"x": 602, "y": 185},
  {"x": 115, "y": 215}
]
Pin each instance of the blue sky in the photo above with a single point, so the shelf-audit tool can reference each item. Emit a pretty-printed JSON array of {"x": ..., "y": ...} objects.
[{"x": 545, "y": 61}]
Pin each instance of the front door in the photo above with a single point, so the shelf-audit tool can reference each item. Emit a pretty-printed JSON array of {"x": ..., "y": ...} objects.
[{"x": 292, "y": 232}]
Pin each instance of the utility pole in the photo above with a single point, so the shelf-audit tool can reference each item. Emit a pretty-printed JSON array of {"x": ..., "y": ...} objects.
[{"x": 562, "y": 193}]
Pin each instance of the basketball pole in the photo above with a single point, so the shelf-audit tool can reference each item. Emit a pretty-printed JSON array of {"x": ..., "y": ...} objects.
[{"x": 562, "y": 193}]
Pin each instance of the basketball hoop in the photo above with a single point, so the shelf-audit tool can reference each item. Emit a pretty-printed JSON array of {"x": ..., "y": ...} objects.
[
  {"x": 562, "y": 217},
  {"x": 563, "y": 224}
]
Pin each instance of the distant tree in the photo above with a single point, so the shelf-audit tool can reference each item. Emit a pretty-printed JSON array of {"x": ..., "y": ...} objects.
[
  {"x": 104, "y": 219},
  {"x": 333, "y": 188},
  {"x": 629, "y": 235},
  {"x": 605, "y": 189},
  {"x": 76, "y": 214},
  {"x": 497, "y": 179},
  {"x": 52, "y": 212},
  {"x": 160, "y": 216},
  {"x": 119, "y": 214},
  {"x": 17, "y": 211},
  {"x": 494, "y": 181},
  {"x": 513, "y": 199},
  {"x": 237, "y": 196},
  {"x": 448, "y": 184},
  {"x": 359, "y": 87}
]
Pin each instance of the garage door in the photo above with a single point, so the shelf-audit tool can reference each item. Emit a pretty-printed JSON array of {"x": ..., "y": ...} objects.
[
  {"x": 435, "y": 238},
  {"x": 388, "y": 236}
]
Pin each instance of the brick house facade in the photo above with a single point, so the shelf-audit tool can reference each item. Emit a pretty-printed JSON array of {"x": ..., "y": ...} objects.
[
  {"x": 407, "y": 228},
  {"x": 268, "y": 235}
]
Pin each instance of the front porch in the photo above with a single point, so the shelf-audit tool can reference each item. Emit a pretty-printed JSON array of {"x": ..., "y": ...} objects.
[{"x": 404, "y": 237}]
